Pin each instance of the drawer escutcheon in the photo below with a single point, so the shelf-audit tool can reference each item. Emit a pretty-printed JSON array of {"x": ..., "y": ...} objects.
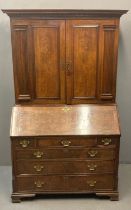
[
  {"x": 106, "y": 141},
  {"x": 92, "y": 153},
  {"x": 24, "y": 143},
  {"x": 91, "y": 183},
  {"x": 38, "y": 154},
  {"x": 66, "y": 143},
  {"x": 92, "y": 167},
  {"x": 39, "y": 184},
  {"x": 38, "y": 168}
]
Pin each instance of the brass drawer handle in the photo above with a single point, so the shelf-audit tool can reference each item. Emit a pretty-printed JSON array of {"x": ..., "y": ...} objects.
[
  {"x": 92, "y": 153},
  {"x": 38, "y": 154},
  {"x": 66, "y": 143},
  {"x": 24, "y": 143},
  {"x": 106, "y": 141},
  {"x": 91, "y": 183},
  {"x": 92, "y": 167},
  {"x": 39, "y": 184},
  {"x": 38, "y": 168}
]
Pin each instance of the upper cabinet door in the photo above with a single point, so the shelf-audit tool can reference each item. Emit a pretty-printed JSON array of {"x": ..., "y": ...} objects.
[
  {"x": 82, "y": 61},
  {"x": 39, "y": 61},
  {"x": 65, "y": 61},
  {"x": 91, "y": 52}
]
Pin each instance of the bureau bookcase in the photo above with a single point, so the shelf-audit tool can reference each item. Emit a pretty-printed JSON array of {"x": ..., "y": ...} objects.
[{"x": 62, "y": 59}]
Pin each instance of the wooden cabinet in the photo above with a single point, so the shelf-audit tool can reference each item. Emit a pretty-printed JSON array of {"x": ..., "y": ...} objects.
[
  {"x": 70, "y": 58},
  {"x": 65, "y": 57},
  {"x": 75, "y": 152}
]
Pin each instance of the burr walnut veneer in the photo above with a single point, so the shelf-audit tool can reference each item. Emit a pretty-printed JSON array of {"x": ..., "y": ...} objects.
[{"x": 65, "y": 57}]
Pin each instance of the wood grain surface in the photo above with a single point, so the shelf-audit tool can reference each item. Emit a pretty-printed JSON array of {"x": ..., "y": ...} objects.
[{"x": 65, "y": 120}]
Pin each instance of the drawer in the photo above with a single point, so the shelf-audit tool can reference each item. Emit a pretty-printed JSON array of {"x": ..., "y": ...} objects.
[
  {"x": 53, "y": 153},
  {"x": 107, "y": 141},
  {"x": 101, "y": 153},
  {"x": 67, "y": 142},
  {"x": 90, "y": 183},
  {"x": 65, "y": 183},
  {"x": 40, "y": 183},
  {"x": 23, "y": 143},
  {"x": 63, "y": 167}
]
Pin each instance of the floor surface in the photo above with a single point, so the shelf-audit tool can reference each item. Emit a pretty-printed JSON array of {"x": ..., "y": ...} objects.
[{"x": 64, "y": 203}]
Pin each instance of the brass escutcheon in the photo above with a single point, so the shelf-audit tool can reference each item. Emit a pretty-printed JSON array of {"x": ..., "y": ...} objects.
[
  {"x": 38, "y": 168},
  {"x": 68, "y": 66},
  {"x": 106, "y": 141},
  {"x": 92, "y": 167},
  {"x": 66, "y": 143},
  {"x": 92, "y": 153},
  {"x": 24, "y": 143},
  {"x": 39, "y": 184},
  {"x": 91, "y": 183},
  {"x": 66, "y": 109},
  {"x": 38, "y": 154}
]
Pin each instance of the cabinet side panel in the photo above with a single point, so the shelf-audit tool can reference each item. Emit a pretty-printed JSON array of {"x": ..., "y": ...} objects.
[
  {"x": 20, "y": 62},
  {"x": 108, "y": 76}
]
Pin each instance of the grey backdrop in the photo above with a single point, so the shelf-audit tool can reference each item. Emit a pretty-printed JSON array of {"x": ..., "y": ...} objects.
[{"x": 124, "y": 67}]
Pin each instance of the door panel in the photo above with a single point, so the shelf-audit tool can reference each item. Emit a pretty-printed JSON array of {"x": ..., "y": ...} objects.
[
  {"x": 46, "y": 62},
  {"x": 85, "y": 61},
  {"x": 48, "y": 39},
  {"x": 83, "y": 54}
]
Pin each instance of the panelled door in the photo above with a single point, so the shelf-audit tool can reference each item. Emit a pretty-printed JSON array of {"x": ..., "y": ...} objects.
[
  {"x": 49, "y": 60},
  {"x": 91, "y": 60},
  {"x": 65, "y": 61},
  {"x": 82, "y": 57},
  {"x": 39, "y": 61}
]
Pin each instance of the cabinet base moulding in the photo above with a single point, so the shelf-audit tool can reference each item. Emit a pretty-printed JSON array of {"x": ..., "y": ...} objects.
[
  {"x": 114, "y": 196},
  {"x": 17, "y": 197}
]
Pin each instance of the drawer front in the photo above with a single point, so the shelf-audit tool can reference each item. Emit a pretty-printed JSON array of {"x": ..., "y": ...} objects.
[
  {"x": 65, "y": 183},
  {"x": 24, "y": 143},
  {"x": 67, "y": 142},
  {"x": 107, "y": 141},
  {"x": 61, "y": 142},
  {"x": 40, "y": 183},
  {"x": 63, "y": 167},
  {"x": 90, "y": 183},
  {"x": 95, "y": 153}
]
